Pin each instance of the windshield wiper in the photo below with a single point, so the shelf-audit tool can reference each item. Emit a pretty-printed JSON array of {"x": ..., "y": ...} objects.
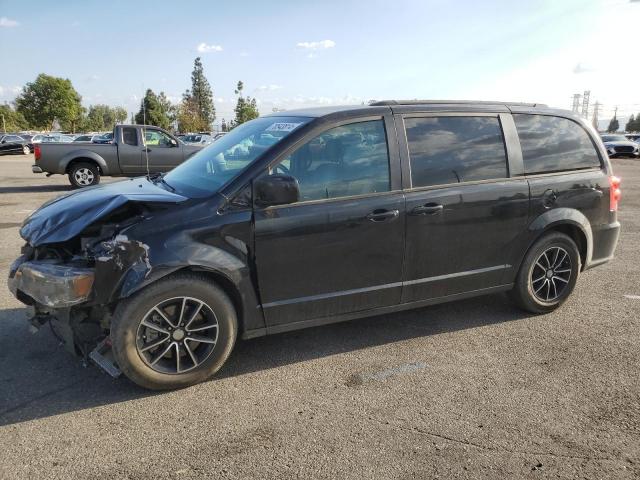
[{"x": 160, "y": 176}]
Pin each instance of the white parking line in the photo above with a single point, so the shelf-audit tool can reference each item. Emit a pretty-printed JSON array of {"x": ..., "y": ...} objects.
[{"x": 633, "y": 297}]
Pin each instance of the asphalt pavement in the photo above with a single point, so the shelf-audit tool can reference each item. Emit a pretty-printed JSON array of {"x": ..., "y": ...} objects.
[{"x": 472, "y": 389}]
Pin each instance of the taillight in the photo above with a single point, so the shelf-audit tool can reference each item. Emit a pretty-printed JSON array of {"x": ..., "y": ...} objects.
[
  {"x": 614, "y": 193},
  {"x": 37, "y": 152}
]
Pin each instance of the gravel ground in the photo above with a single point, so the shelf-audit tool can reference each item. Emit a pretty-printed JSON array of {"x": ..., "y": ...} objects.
[{"x": 473, "y": 389}]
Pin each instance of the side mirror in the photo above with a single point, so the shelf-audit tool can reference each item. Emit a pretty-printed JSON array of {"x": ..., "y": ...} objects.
[
  {"x": 174, "y": 143},
  {"x": 276, "y": 190}
]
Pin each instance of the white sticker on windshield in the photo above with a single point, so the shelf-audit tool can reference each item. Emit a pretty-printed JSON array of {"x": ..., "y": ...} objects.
[{"x": 282, "y": 127}]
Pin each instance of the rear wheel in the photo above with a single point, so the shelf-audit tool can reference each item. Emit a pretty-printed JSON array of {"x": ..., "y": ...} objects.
[
  {"x": 26, "y": 150},
  {"x": 174, "y": 333},
  {"x": 84, "y": 174},
  {"x": 548, "y": 274}
]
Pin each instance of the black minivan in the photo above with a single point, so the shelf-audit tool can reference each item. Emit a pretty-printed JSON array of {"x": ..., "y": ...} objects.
[{"x": 308, "y": 217}]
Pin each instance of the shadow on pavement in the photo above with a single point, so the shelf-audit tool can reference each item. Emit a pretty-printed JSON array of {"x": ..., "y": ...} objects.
[{"x": 38, "y": 378}]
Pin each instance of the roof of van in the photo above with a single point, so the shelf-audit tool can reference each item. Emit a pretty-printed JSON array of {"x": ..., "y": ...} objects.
[{"x": 407, "y": 106}]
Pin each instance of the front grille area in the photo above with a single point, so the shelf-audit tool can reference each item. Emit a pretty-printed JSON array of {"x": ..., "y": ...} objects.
[{"x": 624, "y": 149}]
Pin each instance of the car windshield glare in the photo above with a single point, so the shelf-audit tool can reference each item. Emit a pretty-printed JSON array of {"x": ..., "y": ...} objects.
[{"x": 212, "y": 167}]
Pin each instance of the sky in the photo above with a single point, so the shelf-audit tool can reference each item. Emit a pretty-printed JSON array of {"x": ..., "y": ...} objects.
[{"x": 293, "y": 54}]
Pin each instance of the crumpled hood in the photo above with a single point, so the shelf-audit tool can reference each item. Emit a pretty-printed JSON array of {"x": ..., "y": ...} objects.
[{"x": 66, "y": 216}]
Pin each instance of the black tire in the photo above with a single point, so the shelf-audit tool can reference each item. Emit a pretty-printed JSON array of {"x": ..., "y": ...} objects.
[
  {"x": 128, "y": 344},
  {"x": 84, "y": 174},
  {"x": 538, "y": 291},
  {"x": 26, "y": 150}
]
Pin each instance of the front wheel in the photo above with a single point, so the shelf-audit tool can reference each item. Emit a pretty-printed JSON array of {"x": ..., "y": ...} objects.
[
  {"x": 84, "y": 174},
  {"x": 26, "y": 150},
  {"x": 174, "y": 333},
  {"x": 548, "y": 274}
]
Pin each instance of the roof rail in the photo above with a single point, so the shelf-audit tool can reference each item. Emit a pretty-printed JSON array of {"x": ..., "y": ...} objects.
[{"x": 382, "y": 103}]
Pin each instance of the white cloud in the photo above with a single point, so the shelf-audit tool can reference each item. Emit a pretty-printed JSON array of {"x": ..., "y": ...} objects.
[
  {"x": 204, "y": 48},
  {"x": 269, "y": 88},
  {"x": 321, "y": 45},
  {"x": 244, "y": 54},
  {"x": 583, "y": 68},
  {"x": 8, "y": 23},
  {"x": 9, "y": 93},
  {"x": 92, "y": 78}
]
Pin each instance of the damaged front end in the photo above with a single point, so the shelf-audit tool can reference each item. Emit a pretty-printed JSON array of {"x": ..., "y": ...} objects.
[
  {"x": 71, "y": 272},
  {"x": 73, "y": 291}
]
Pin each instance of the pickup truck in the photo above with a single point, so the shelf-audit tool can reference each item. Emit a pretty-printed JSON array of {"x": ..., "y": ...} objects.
[{"x": 127, "y": 155}]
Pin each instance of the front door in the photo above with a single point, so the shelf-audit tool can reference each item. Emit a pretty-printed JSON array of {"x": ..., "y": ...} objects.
[
  {"x": 340, "y": 248},
  {"x": 464, "y": 211},
  {"x": 163, "y": 152}
]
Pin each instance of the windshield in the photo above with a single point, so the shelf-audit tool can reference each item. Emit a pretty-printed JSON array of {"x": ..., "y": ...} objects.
[
  {"x": 215, "y": 165},
  {"x": 614, "y": 138}
]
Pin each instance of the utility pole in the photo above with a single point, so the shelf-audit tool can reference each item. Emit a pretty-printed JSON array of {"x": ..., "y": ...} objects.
[
  {"x": 585, "y": 103},
  {"x": 576, "y": 102},
  {"x": 596, "y": 111}
]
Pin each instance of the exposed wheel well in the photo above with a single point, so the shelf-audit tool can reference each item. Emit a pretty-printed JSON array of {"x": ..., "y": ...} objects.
[
  {"x": 577, "y": 235},
  {"x": 82, "y": 160}
]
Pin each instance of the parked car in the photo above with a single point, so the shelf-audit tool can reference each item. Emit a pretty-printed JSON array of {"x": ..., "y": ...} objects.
[
  {"x": 127, "y": 156},
  {"x": 11, "y": 144},
  {"x": 634, "y": 137},
  {"x": 620, "y": 146},
  {"x": 106, "y": 138},
  {"x": 56, "y": 138},
  {"x": 197, "y": 139},
  {"x": 349, "y": 212},
  {"x": 84, "y": 138}
]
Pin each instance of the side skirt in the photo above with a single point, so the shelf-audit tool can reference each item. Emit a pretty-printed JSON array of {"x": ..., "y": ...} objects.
[{"x": 315, "y": 322}]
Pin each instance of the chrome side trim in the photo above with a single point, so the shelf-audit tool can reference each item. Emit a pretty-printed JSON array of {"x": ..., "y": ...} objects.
[{"x": 324, "y": 296}]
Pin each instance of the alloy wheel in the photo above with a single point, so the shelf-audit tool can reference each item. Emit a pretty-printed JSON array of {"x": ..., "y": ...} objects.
[
  {"x": 83, "y": 176},
  {"x": 26, "y": 150},
  {"x": 177, "y": 335},
  {"x": 551, "y": 273}
]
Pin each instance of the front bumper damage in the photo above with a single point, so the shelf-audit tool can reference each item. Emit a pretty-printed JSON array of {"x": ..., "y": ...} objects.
[{"x": 77, "y": 296}]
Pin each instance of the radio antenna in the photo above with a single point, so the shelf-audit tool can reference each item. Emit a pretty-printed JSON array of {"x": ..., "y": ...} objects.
[{"x": 144, "y": 133}]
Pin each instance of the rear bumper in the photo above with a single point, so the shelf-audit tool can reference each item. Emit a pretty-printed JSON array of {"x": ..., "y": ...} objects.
[
  {"x": 605, "y": 240},
  {"x": 36, "y": 169}
]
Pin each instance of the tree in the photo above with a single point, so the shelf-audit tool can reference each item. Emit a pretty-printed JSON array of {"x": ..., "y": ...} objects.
[
  {"x": 224, "y": 127},
  {"x": 188, "y": 118},
  {"x": 613, "y": 125},
  {"x": 48, "y": 99},
  {"x": 630, "y": 124},
  {"x": 10, "y": 120},
  {"x": 152, "y": 111},
  {"x": 199, "y": 99},
  {"x": 246, "y": 107},
  {"x": 120, "y": 114}
]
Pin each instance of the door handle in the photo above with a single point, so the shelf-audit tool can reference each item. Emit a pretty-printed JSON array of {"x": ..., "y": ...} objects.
[
  {"x": 427, "y": 209},
  {"x": 380, "y": 215},
  {"x": 146, "y": 149}
]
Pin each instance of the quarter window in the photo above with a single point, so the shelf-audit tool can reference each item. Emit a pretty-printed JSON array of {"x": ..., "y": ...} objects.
[
  {"x": 552, "y": 144},
  {"x": 348, "y": 160},
  {"x": 445, "y": 150},
  {"x": 130, "y": 136}
]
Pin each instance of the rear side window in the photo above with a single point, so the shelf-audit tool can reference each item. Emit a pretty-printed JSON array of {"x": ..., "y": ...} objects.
[
  {"x": 446, "y": 150},
  {"x": 130, "y": 136},
  {"x": 553, "y": 144}
]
